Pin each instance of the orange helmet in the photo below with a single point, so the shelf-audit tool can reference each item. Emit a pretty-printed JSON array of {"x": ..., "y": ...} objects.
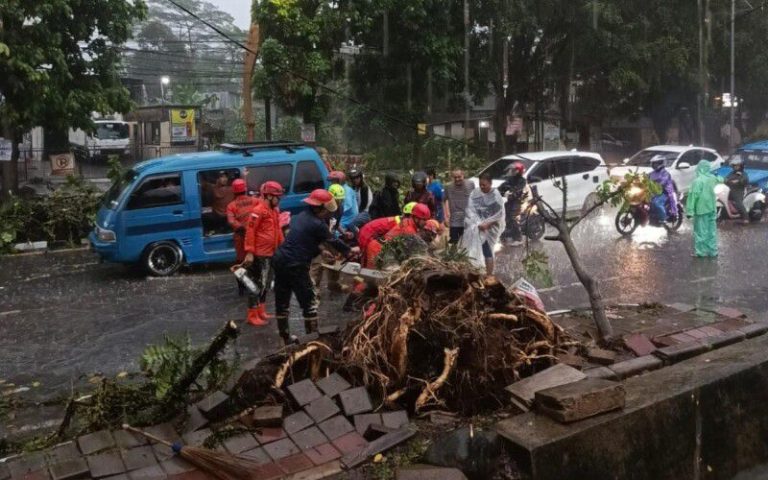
[
  {"x": 421, "y": 211},
  {"x": 238, "y": 186},
  {"x": 321, "y": 198},
  {"x": 271, "y": 188},
  {"x": 433, "y": 226}
]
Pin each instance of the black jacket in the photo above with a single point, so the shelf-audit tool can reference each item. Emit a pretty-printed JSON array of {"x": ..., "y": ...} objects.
[{"x": 386, "y": 202}]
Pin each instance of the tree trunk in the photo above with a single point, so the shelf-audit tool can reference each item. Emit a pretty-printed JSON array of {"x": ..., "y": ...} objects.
[
  {"x": 267, "y": 119},
  {"x": 10, "y": 170},
  {"x": 590, "y": 284}
]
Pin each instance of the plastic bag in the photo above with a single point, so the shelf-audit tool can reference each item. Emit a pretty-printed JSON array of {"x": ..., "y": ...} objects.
[{"x": 523, "y": 288}]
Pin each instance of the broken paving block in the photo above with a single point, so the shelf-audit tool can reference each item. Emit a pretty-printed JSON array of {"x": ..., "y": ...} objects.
[
  {"x": 308, "y": 438},
  {"x": 125, "y": 439},
  {"x": 524, "y": 391},
  {"x": 363, "y": 420},
  {"x": 580, "y": 400},
  {"x": 322, "y": 409},
  {"x": 69, "y": 469},
  {"x": 574, "y": 361},
  {"x": 333, "y": 384},
  {"x": 269, "y": 434},
  {"x": 196, "y": 438},
  {"x": 96, "y": 442},
  {"x": 195, "y": 420},
  {"x": 60, "y": 453},
  {"x": 355, "y": 401},
  {"x": 281, "y": 449},
  {"x": 304, "y": 392},
  {"x": 354, "y": 458},
  {"x": 296, "y": 422},
  {"x": 138, "y": 457},
  {"x": 213, "y": 405},
  {"x": 105, "y": 464},
  {"x": 335, "y": 427},
  {"x": 601, "y": 356},
  {"x": 295, "y": 463},
  {"x": 257, "y": 456},
  {"x": 240, "y": 443},
  {"x": 640, "y": 344},
  {"x": 322, "y": 454},
  {"x": 395, "y": 419},
  {"x": 268, "y": 416}
]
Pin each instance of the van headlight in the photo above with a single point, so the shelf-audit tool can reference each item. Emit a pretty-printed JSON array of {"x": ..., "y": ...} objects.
[{"x": 105, "y": 235}]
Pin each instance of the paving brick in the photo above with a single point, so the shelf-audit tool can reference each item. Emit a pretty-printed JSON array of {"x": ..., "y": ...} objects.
[
  {"x": 754, "y": 329},
  {"x": 125, "y": 439},
  {"x": 304, "y": 392},
  {"x": 363, "y": 420},
  {"x": 41, "y": 474},
  {"x": 322, "y": 409},
  {"x": 240, "y": 443},
  {"x": 153, "y": 472},
  {"x": 296, "y": 422},
  {"x": 428, "y": 472},
  {"x": 60, "y": 453},
  {"x": 395, "y": 419},
  {"x": 335, "y": 427},
  {"x": 350, "y": 443},
  {"x": 308, "y": 438},
  {"x": 268, "y": 416},
  {"x": 323, "y": 454},
  {"x": 139, "y": 457},
  {"x": 96, "y": 442},
  {"x": 268, "y": 471},
  {"x": 355, "y": 400},
  {"x": 257, "y": 455},
  {"x": 725, "y": 338},
  {"x": 176, "y": 465},
  {"x": 574, "y": 361},
  {"x": 730, "y": 312},
  {"x": 600, "y": 372},
  {"x": 195, "y": 420},
  {"x": 662, "y": 341},
  {"x": 333, "y": 384},
  {"x": 682, "y": 338},
  {"x": 601, "y": 356},
  {"x": 697, "y": 333},
  {"x": 166, "y": 432},
  {"x": 710, "y": 331},
  {"x": 680, "y": 352},
  {"x": 635, "y": 366},
  {"x": 26, "y": 464},
  {"x": 381, "y": 444},
  {"x": 295, "y": 463},
  {"x": 281, "y": 449},
  {"x": 105, "y": 464},
  {"x": 212, "y": 405},
  {"x": 196, "y": 438},
  {"x": 267, "y": 435},
  {"x": 728, "y": 325},
  {"x": 69, "y": 469},
  {"x": 639, "y": 344}
]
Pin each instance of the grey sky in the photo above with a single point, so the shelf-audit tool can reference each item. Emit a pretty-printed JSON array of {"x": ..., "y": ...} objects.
[{"x": 240, "y": 9}]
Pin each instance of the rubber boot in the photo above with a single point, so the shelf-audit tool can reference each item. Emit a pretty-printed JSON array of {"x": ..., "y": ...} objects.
[
  {"x": 254, "y": 318},
  {"x": 282, "y": 329},
  {"x": 310, "y": 325},
  {"x": 263, "y": 312}
]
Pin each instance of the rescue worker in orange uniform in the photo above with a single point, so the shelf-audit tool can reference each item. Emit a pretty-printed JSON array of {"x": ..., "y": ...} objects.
[
  {"x": 262, "y": 237},
  {"x": 411, "y": 226},
  {"x": 405, "y": 225},
  {"x": 238, "y": 213}
]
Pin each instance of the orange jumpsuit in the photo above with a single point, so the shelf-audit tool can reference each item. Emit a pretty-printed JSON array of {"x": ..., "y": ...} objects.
[{"x": 238, "y": 212}]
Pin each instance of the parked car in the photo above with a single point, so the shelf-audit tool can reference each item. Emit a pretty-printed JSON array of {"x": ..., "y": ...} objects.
[
  {"x": 755, "y": 158},
  {"x": 583, "y": 172},
  {"x": 160, "y": 215},
  {"x": 680, "y": 162}
]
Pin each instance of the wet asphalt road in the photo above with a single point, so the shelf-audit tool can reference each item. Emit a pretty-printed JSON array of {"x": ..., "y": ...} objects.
[{"x": 64, "y": 316}]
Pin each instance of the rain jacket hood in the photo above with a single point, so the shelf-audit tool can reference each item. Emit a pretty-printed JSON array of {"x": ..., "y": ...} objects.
[{"x": 701, "y": 197}]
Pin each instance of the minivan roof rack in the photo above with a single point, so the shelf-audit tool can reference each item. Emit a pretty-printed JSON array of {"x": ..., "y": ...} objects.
[{"x": 246, "y": 147}]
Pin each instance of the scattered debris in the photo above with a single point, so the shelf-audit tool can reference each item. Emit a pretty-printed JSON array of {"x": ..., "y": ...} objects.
[
  {"x": 523, "y": 392},
  {"x": 474, "y": 452},
  {"x": 579, "y": 400}
]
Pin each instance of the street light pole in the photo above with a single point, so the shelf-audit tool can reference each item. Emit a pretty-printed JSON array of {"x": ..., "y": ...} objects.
[
  {"x": 733, "y": 74},
  {"x": 164, "y": 80}
]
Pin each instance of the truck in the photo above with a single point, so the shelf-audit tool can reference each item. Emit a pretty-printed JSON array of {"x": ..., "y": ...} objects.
[{"x": 110, "y": 137}]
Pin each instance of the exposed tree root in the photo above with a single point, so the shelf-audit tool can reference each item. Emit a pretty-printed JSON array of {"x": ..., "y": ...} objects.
[
  {"x": 296, "y": 356},
  {"x": 430, "y": 391}
]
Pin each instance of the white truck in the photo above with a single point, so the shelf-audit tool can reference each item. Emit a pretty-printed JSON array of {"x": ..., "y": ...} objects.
[{"x": 111, "y": 137}]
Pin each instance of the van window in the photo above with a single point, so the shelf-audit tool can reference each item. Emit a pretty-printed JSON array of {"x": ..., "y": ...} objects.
[
  {"x": 278, "y": 173},
  {"x": 308, "y": 178},
  {"x": 215, "y": 194},
  {"x": 157, "y": 192}
]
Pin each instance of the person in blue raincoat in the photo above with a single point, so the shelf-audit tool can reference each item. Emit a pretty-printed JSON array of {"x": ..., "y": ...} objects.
[
  {"x": 666, "y": 202},
  {"x": 702, "y": 206}
]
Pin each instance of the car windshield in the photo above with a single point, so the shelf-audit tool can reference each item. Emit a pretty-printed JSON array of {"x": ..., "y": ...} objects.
[
  {"x": 643, "y": 158},
  {"x": 111, "y": 131},
  {"x": 498, "y": 169},
  {"x": 117, "y": 188},
  {"x": 756, "y": 160}
]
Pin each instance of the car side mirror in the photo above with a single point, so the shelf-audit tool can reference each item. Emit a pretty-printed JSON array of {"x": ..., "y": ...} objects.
[{"x": 683, "y": 165}]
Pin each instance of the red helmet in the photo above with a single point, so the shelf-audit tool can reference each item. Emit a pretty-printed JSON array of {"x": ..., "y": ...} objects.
[
  {"x": 421, "y": 211},
  {"x": 271, "y": 188},
  {"x": 432, "y": 226},
  {"x": 321, "y": 198},
  {"x": 336, "y": 176},
  {"x": 519, "y": 167},
  {"x": 238, "y": 186}
]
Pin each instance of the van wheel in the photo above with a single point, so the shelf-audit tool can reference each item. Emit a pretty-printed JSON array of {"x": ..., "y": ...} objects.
[{"x": 163, "y": 259}]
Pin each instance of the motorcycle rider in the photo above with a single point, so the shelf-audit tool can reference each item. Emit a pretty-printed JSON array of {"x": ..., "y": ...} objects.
[
  {"x": 737, "y": 181},
  {"x": 420, "y": 193},
  {"x": 516, "y": 189},
  {"x": 668, "y": 203}
]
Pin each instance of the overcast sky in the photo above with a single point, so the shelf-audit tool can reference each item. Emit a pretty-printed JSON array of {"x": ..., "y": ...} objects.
[{"x": 240, "y": 9}]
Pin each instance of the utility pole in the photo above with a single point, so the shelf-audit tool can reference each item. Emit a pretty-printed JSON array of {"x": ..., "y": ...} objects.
[
  {"x": 466, "y": 77},
  {"x": 733, "y": 74},
  {"x": 699, "y": 96},
  {"x": 254, "y": 40}
]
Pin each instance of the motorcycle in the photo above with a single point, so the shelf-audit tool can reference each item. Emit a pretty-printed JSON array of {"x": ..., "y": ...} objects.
[
  {"x": 529, "y": 220},
  {"x": 754, "y": 203},
  {"x": 637, "y": 211}
]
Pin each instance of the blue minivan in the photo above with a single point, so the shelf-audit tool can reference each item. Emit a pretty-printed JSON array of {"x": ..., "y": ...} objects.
[{"x": 170, "y": 211}]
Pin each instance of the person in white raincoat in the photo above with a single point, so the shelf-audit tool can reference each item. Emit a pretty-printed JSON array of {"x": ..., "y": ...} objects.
[{"x": 483, "y": 223}]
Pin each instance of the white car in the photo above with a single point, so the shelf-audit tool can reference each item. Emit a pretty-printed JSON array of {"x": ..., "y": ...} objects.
[
  {"x": 583, "y": 171},
  {"x": 680, "y": 162}
]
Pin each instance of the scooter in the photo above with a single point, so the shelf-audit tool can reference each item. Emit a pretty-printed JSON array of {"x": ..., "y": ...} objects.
[
  {"x": 754, "y": 203},
  {"x": 636, "y": 212}
]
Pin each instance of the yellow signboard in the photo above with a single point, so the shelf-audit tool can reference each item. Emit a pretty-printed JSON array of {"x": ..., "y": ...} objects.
[
  {"x": 422, "y": 128},
  {"x": 183, "y": 125}
]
